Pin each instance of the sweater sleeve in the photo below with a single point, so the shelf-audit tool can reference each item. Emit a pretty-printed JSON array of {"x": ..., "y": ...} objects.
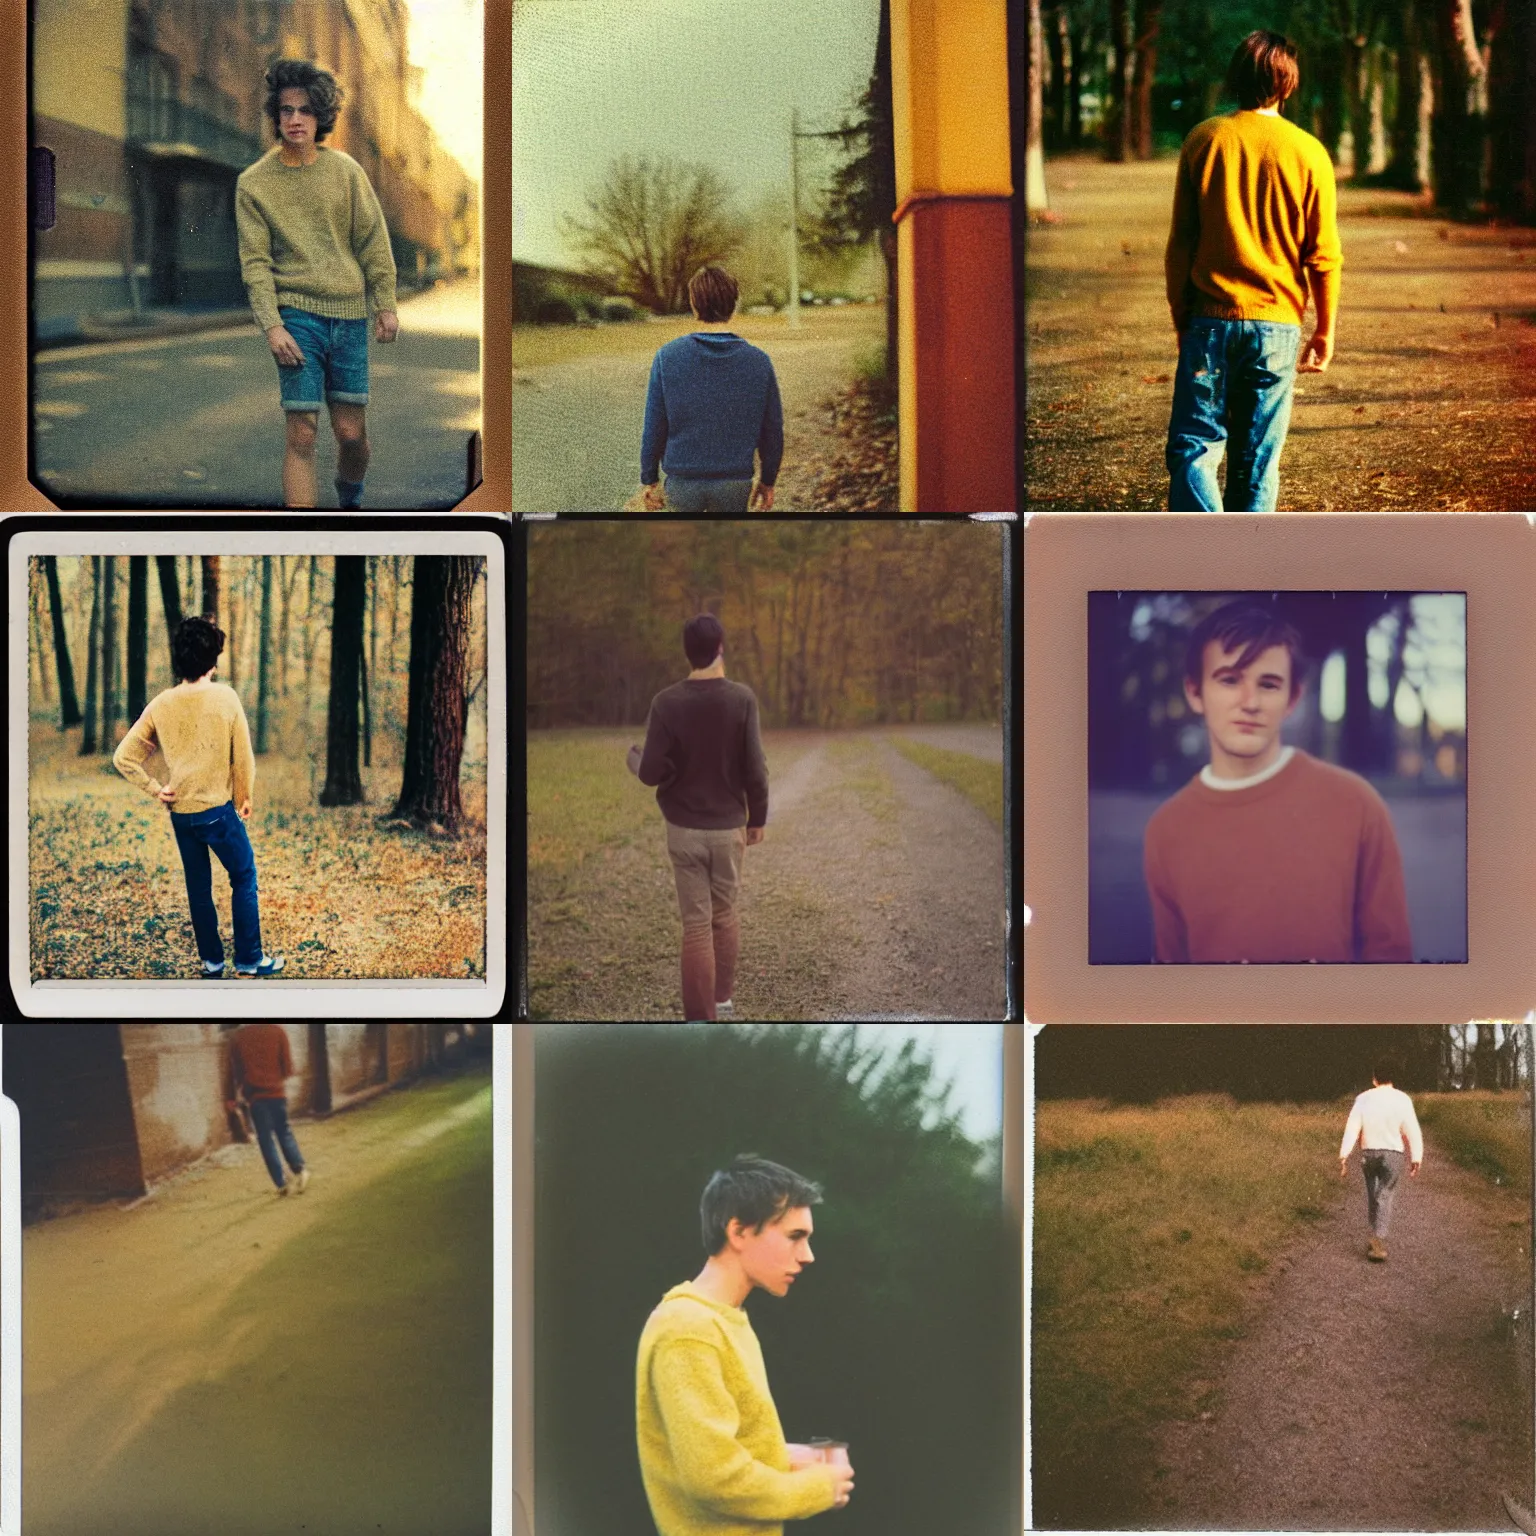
[
  {"x": 134, "y": 750},
  {"x": 285, "y": 1057},
  {"x": 770, "y": 436},
  {"x": 1183, "y": 237},
  {"x": 1411, "y": 1129},
  {"x": 1381, "y": 898},
  {"x": 370, "y": 243},
  {"x": 1170, "y": 941},
  {"x": 255, "y": 236},
  {"x": 1323, "y": 250},
  {"x": 1352, "y": 1129},
  {"x": 242, "y": 759},
  {"x": 653, "y": 436},
  {"x": 755, "y": 768},
  {"x": 714, "y": 1468},
  {"x": 656, "y": 759}
]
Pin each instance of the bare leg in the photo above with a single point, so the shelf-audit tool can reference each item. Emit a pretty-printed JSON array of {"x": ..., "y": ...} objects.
[
  {"x": 299, "y": 459},
  {"x": 350, "y": 424}
]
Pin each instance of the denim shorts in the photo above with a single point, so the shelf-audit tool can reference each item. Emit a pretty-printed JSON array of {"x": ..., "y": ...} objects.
[{"x": 335, "y": 366}]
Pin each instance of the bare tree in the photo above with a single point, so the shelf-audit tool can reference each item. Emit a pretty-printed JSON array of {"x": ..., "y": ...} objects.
[
  {"x": 651, "y": 225},
  {"x": 69, "y": 708},
  {"x": 170, "y": 598},
  {"x": 138, "y": 633},
  {"x": 93, "y": 634},
  {"x": 263, "y": 663},
  {"x": 211, "y": 587},
  {"x": 1035, "y": 200},
  {"x": 343, "y": 782},
  {"x": 108, "y": 651}
]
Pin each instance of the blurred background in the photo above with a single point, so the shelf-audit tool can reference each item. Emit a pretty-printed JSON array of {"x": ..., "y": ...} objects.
[
  {"x": 1384, "y": 696},
  {"x": 906, "y": 1339}
]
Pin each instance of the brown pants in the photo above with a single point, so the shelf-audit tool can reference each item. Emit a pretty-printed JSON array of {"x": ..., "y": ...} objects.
[{"x": 707, "y": 867}]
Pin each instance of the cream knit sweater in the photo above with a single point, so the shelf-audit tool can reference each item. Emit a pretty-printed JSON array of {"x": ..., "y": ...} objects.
[
  {"x": 312, "y": 237},
  {"x": 200, "y": 728}
]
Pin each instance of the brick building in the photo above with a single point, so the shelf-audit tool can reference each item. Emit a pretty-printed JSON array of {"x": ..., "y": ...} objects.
[
  {"x": 152, "y": 108},
  {"x": 107, "y": 1109}
]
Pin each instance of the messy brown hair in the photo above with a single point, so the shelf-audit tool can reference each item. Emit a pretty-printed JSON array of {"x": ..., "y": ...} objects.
[
  {"x": 1249, "y": 628},
  {"x": 712, "y": 291},
  {"x": 320, "y": 84},
  {"x": 1263, "y": 71}
]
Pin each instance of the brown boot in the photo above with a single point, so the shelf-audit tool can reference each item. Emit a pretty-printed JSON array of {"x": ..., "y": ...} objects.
[{"x": 1377, "y": 1250}]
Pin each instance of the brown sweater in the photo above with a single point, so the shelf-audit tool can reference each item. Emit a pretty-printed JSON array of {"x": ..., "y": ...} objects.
[
  {"x": 202, "y": 733},
  {"x": 262, "y": 1060},
  {"x": 1303, "y": 866},
  {"x": 704, "y": 752}
]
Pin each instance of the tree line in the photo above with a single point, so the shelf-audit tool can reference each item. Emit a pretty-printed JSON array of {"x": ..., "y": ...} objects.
[
  {"x": 1416, "y": 94},
  {"x": 834, "y": 624},
  {"x": 277, "y": 611}
]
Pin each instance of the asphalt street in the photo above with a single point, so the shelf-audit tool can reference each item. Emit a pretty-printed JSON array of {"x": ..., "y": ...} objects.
[{"x": 194, "y": 420}]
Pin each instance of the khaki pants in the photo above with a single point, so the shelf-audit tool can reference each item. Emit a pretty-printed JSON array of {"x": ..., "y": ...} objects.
[{"x": 707, "y": 867}]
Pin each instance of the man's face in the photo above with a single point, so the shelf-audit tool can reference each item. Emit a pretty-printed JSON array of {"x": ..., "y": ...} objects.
[
  {"x": 1245, "y": 709},
  {"x": 295, "y": 116},
  {"x": 774, "y": 1256}
]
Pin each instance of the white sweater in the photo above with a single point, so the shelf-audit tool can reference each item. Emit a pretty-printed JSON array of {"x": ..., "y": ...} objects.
[{"x": 1383, "y": 1116}]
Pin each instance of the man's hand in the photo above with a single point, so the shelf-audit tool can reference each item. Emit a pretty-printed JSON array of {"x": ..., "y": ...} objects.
[
  {"x": 801, "y": 1456},
  {"x": 386, "y": 325},
  {"x": 245, "y": 810},
  {"x": 654, "y": 497},
  {"x": 1317, "y": 353},
  {"x": 843, "y": 1485},
  {"x": 632, "y": 760},
  {"x": 755, "y": 835},
  {"x": 284, "y": 348},
  {"x": 1413, "y": 1170},
  {"x": 166, "y": 795},
  {"x": 761, "y": 499},
  {"x": 1343, "y": 1167}
]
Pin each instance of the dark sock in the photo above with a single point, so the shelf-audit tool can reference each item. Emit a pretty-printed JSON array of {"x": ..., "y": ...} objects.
[{"x": 351, "y": 494}]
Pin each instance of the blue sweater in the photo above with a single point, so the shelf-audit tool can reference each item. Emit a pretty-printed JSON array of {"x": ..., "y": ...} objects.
[{"x": 713, "y": 399}]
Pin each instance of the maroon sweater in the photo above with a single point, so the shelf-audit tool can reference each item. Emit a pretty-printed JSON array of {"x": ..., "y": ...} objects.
[
  {"x": 262, "y": 1060},
  {"x": 704, "y": 754}
]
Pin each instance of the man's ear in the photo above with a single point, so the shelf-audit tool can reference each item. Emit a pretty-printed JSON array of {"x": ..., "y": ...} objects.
[{"x": 1192, "y": 694}]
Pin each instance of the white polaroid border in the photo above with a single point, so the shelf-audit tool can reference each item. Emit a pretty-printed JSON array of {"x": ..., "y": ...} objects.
[
  {"x": 10, "y": 1314},
  {"x": 403, "y": 998}
]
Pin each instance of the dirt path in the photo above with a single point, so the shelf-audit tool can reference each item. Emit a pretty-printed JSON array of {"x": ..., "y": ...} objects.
[
  {"x": 576, "y": 424},
  {"x": 262, "y": 1351},
  {"x": 1373, "y": 1396},
  {"x": 1429, "y": 405}
]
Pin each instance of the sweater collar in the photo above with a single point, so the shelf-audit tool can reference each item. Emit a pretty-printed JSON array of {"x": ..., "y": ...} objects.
[{"x": 1227, "y": 786}]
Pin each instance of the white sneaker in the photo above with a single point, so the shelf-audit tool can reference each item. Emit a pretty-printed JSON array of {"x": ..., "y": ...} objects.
[
  {"x": 301, "y": 1181},
  {"x": 725, "y": 1010}
]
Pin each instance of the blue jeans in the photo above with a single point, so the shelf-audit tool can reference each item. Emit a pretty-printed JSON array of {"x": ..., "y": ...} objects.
[
  {"x": 693, "y": 498},
  {"x": 270, "y": 1117},
  {"x": 222, "y": 831},
  {"x": 335, "y": 365},
  {"x": 1234, "y": 381},
  {"x": 1382, "y": 1170}
]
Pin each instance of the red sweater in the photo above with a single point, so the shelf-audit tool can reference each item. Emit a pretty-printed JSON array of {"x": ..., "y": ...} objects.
[
  {"x": 1303, "y": 866},
  {"x": 262, "y": 1060}
]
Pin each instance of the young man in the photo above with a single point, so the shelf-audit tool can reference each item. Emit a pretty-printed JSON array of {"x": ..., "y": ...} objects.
[
  {"x": 712, "y": 1451},
  {"x": 261, "y": 1062},
  {"x": 713, "y": 401},
  {"x": 704, "y": 753},
  {"x": 315, "y": 256},
  {"x": 201, "y": 731},
  {"x": 1254, "y": 227},
  {"x": 1381, "y": 1120},
  {"x": 1268, "y": 855}
]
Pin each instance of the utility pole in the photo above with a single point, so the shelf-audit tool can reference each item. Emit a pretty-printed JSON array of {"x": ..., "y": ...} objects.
[{"x": 794, "y": 218}]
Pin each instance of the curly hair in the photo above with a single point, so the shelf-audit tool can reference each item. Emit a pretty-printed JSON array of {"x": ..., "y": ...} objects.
[
  {"x": 324, "y": 93},
  {"x": 195, "y": 646}
]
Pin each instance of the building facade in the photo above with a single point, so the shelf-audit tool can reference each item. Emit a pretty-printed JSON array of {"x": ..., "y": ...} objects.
[
  {"x": 109, "y": 1109},
  {"x": 152, "y": 108}
]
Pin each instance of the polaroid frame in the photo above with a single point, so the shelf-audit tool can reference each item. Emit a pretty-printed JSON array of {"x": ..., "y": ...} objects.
[
  {"x": 502, "y": 1045},
  {"x": 375, "y": 998},
  {"x": 1491, "y": 557},
  {"x": 493, "y": 494},
  {"x": 1016, "y": 1096}
]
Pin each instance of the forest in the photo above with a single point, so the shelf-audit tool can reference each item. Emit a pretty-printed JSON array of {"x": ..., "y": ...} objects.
[
  {"x": 363, "y": 678},
  {"x": 831, "y": 625}
]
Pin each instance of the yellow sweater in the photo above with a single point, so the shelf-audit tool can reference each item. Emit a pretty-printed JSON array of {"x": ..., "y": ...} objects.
[
  {"x": 202, "y": 733},
  {"x": 312, "y": 237},
  {"x": 1254, "y": 212},
  {"x": 712, "y": 1451}
]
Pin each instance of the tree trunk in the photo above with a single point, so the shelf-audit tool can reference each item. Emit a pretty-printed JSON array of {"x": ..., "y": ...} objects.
[
  {"x": 138, "y": 634},
  {"x": 1118, "y": 141},
  {"x": 1145, "y": 72},
  {"x": 434, "y": 733},
  {"x": 170, "y": 599},
  {"x": 108, "y": 652},
  {"x": 69, "y": 708},
  {"x": 92, "y": 652},
  {"x": 1405, "y": 169},
  {"x": 343, "y": 783},
  {"x": 211, "y": 587},
  {"x": 1035, "y": 200},
  {"x": 36, "y": 661},
  {"x": 1081, "y": 48},
  {"x": 1058, "y": 42},
  {"x": 363, "y": 675},
  {"x": 1512, "y": 114},
  {"x": 263, "y": 662},
  {"x": 1459, "y": 125}
]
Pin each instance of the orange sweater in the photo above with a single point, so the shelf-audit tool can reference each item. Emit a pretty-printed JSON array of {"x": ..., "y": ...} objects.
[
  {"x": 1303, "y": 866},
  {"x": 261, "y": 1059},
  {"x": 1254, "y": 213}
]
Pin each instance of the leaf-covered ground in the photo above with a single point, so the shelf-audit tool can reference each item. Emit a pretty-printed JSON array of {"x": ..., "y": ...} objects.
[{"x": 342, "y": 898}]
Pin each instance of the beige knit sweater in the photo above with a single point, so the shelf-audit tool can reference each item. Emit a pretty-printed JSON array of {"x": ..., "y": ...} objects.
[
  {"x": 201, "y": 731},
  {"x": 312, "y": 237}
]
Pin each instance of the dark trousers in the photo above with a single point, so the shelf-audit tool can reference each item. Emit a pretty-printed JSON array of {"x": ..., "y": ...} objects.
[
  {"x": 222, "y": 831},
  {"x": 270, "y": 1117},
  {"x": 1382, "y": 1170}
]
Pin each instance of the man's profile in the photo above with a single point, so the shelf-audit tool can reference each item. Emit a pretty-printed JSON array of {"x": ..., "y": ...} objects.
[
  {"x": 1254, "y": 230},
  {"x": 1268, "y": 855},
  {"x": 1380, "y": 1121},
  {"x": 704, "y": 755},
  {"x": 712, "y": 1451}
]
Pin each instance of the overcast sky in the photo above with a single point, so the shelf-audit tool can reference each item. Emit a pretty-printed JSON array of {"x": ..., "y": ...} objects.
[
  {"x": 447, "y": 40},
  {"x": 700, "y": 80},
  {"x": 969, "y": 1055}
]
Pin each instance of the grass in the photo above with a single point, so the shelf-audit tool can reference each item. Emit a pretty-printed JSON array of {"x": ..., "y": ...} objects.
[
  {"x": 1153, "y": 1229},
  {"x": 979, "y": 781},
  {"x": 1489, "y": 1133}
]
